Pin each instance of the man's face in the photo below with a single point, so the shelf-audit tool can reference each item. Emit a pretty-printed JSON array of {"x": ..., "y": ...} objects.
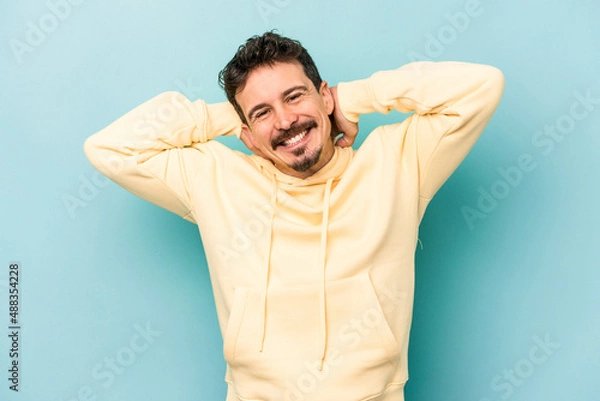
[{"x": 288, "y": 118}]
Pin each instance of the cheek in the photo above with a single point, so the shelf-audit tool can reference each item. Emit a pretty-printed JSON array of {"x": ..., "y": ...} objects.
[
  {"x": 262, "y": 135},
  {"x": 315, "y": 110}
]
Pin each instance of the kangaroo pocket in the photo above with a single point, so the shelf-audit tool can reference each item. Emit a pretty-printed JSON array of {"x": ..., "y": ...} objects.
[{"x": 362, "y": 352}]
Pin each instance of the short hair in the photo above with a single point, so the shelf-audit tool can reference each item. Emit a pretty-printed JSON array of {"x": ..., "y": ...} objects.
[{"x": 267, "y": 49}]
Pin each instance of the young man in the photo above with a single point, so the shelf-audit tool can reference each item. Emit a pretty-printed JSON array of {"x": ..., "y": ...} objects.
[{"x": 310, "y": 244}]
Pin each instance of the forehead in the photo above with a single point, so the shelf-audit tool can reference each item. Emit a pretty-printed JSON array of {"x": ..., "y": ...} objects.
[{"x": 265, "y": 84}]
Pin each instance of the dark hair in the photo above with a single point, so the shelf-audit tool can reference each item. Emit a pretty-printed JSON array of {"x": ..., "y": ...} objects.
[{"x": 258, "y": 51}]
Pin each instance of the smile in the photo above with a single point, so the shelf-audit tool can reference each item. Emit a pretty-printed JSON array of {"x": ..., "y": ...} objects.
[{"x": 296, "y": 139}]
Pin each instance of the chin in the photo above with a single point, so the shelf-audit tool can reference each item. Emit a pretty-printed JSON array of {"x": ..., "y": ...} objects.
[{"x": 307, "y": 160}]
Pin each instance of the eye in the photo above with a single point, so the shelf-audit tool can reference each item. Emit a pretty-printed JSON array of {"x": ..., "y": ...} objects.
[
  {"x": 293, "y": 97},
  {"x": 260, "y": 114}
]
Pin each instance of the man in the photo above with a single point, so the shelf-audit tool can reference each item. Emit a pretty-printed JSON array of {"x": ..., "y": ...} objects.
[{"x": 310, "y": 244}]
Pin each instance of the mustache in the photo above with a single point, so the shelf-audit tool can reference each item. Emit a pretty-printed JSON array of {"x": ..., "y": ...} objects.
[{"x": 292, "y": 132}]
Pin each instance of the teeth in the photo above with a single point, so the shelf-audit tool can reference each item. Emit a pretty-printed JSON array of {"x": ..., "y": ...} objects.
[{"x": 296, "y": 139}]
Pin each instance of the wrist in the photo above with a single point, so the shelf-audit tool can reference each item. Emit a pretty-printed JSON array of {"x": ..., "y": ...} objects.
[
  {"x": 354, "y": 99},
  {"x": 223, "y": 120}
]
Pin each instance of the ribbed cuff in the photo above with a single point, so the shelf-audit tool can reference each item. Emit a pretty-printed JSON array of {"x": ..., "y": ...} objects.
[
  {"x": 222, "y": 120},
  {"x": 355, "y": 98}
]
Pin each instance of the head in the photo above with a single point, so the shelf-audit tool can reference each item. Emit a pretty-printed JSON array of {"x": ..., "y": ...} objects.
[{"x": 283, "y": 103}]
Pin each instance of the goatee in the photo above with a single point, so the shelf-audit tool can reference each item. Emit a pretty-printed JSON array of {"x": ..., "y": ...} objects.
[{"x": 308, "y": 161}]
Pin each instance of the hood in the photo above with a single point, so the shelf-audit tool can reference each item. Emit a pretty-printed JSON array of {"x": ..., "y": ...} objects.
[{"x": 329, "y": 174}]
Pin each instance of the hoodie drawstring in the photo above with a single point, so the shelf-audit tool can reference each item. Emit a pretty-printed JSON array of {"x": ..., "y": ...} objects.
[
  {"x": 268, "y": 267},
  {"x": 322, "y": 261}
]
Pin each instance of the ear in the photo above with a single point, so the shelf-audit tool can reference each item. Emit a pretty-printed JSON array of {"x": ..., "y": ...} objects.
[
  {"x": 248, "y": 139},
  {"x": 327, "y": 97}
]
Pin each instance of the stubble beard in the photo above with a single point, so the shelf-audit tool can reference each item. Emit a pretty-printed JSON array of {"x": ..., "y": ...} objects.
[
  {"x": 311, "y": 157},
  {"x": 309, "y": 160}
]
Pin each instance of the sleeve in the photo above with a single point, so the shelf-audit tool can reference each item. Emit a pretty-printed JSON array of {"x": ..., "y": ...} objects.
[
  {"x": 151, "y": 151},
  {"x": 452, "y": 104}
]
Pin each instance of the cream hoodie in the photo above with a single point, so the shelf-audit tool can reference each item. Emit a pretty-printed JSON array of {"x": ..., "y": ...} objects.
[{"x": 313, "y": 278}]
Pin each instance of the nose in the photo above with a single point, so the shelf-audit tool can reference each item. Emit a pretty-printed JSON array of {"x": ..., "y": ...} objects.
[{"x": 285, "y": 117}]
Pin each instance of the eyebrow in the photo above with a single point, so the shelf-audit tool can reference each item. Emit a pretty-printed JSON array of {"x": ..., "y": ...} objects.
[{"x": 284, "y": 94}]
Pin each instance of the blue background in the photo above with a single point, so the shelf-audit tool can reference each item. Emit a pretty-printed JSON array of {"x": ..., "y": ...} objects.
[{"x": 488, "y": 288}]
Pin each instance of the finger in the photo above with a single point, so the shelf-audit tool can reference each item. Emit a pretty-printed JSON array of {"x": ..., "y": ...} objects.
[{"x": 344, "y": 141}]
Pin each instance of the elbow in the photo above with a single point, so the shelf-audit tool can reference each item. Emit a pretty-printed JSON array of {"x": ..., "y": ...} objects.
[
  {"x": 90, "y": 149},
  {"x": 97, "y": 155},
  {"x": 495, "y": 83},
  {"x": 490, "y": 88}
]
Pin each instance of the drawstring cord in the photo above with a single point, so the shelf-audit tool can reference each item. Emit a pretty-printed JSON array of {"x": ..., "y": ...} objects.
[
  {"x": 268, "y": 267},
  {"x": 322, "y": 257},
  {"x": 322, "y": 261}
]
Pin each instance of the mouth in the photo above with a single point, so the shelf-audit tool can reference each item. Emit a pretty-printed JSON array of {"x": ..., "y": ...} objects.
[{"x": 295, "y": 141}]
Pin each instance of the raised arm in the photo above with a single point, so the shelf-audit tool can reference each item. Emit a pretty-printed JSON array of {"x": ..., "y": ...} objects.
[
  {"x": 151, "y": 151},
  {"x": 452, "y": 103}
]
